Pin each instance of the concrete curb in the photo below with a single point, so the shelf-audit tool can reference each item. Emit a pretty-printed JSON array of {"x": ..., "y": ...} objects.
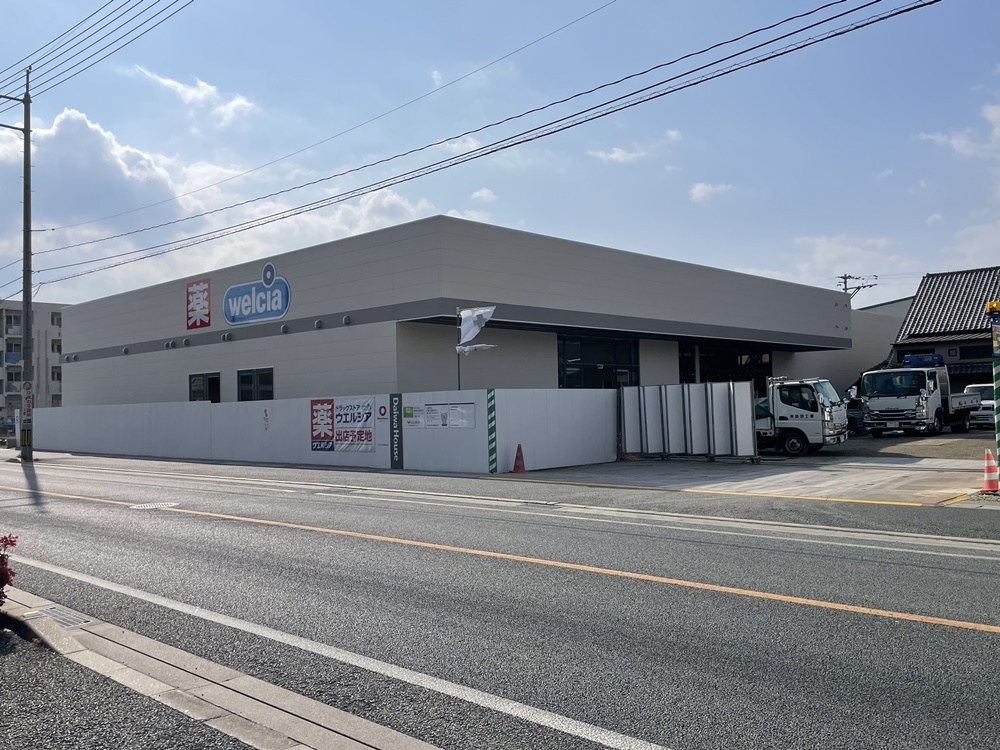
[{"x": 255, "y": 712}]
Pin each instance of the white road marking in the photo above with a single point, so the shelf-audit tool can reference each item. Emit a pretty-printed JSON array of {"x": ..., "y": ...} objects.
[
  {"x": 497, "y": 703},
  {"x": 975, "y": 544},
  {"x": 722, "y": 525}
]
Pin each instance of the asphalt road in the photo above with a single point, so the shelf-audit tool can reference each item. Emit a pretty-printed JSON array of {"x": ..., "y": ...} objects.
[{"x": 632, "y": 629}]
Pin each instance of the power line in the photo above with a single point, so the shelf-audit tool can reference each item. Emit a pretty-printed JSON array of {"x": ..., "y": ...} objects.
[
  {"x": 853, "y": 289},
  {"x": 49, "y": 58},
  {"x": 17, "y": 65},
  {"x": 533, "y": 134},
  {"x": 504, "y": 121},
  {"x": 343, "y": 132},
  {"x": 59, "y": 76}
]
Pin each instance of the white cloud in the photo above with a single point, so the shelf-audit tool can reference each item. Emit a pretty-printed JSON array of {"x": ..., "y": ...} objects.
[
  {"x": 703, "y": 191},
  {"x": 204, "y": 95},
  {"x": 884, "y": 174},
  {"x": 200, "y": 93},
  {"x": 673, "y": 135},
  {"x": 463, "y": 145},
  {"x": 818, "y": 261},
  {"x": 481, "y": 216},
  {"x": 976, "y": 246},
  {"x": 934, "y": 219},
  {"x": 437, "y": 78},
  {"x": 968, "y": 142},
  {"x": 618, "y": 155},
  {"x": 227, "y": 113},
  {"x": 485, "y": 195},
  {"x": 11, "y": 146}
]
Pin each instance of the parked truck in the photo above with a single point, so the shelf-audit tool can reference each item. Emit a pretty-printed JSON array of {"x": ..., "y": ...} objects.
[
  {"x": 915, "y": 398},
  {"x": 799, "y": 416}
]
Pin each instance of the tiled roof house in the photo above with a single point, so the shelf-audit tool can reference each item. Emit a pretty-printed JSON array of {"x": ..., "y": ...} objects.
[{"x": 948, "y": 317}]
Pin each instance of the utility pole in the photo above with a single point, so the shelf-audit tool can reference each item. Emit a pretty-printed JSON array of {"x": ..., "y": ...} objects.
[
  {"x": 852, "y": 290},
  {"x": 27, "y": 347}
]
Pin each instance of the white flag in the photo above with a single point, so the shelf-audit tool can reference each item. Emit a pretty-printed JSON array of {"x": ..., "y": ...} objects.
[
  {"x": 473, "y": 321},
  {"x": 466, "y": 350}
]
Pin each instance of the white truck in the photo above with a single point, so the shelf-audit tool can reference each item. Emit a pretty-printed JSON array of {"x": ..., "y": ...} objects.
[
  {"x": 915, "y": 398},
  {"x": 799, "y": 416}
]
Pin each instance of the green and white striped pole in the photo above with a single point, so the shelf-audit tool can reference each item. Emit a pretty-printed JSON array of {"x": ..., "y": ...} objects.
[
  {"x": 491, "y": 428},
  {"x": 996, "y": 404},
  {"x": 993, "y": 313}
]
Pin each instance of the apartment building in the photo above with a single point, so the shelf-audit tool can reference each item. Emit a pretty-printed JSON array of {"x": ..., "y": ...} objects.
[{"x": 46, "y": 332}]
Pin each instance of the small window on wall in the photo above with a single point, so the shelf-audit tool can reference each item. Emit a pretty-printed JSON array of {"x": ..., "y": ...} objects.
[
  {"x": 57, "y": 374},
  {"x": 204, "y": 387},
  {"x": 255, "y": 385},
  {"x": 57, "y": 319}
]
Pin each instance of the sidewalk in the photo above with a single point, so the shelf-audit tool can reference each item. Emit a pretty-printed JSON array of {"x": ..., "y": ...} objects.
[{"x": 254, "y": 712}]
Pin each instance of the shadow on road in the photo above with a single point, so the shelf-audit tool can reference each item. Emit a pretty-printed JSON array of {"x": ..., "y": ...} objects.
[{"x": 34, "y": 489}]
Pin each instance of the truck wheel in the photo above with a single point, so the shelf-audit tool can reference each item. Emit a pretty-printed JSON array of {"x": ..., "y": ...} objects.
[
  {"x": 794, "y": 444},
  {"x": 934, "y": 427},
  {"x": 962, "y": 425},
  {"x": 876, "y": 434}
]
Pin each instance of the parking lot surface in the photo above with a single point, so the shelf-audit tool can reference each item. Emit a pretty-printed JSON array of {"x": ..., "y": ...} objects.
[{"x": 933, "y": 470}]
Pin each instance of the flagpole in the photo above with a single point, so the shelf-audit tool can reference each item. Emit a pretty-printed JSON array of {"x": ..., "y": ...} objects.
[{"x": 458, "y": 356}]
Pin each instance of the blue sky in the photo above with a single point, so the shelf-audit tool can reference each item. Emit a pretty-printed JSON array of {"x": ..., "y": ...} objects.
[{"x": 873, "y": 153}]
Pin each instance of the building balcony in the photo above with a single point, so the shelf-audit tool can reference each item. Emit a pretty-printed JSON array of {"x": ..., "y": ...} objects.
[
  {"x": 13, "y": 330},
  {"x": 13, "y": 358},
  {"x": 55, "y": 387},
  {"x": 14, "y": 388}
]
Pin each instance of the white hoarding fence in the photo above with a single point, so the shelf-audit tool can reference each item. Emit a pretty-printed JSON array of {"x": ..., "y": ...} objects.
[{"x": 699, "y": 419}]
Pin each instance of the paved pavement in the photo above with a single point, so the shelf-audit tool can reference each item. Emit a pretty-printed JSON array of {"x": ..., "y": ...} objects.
[
  {"x": 906, "y": 481},
  {"x": 252, "y": 711},
  {"x": 264, "y": 716}
]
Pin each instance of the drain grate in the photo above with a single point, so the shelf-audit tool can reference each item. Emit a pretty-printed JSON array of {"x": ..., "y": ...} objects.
[
  {"x": 65, "y": 617},
  {"x": 150, "y": 506}
]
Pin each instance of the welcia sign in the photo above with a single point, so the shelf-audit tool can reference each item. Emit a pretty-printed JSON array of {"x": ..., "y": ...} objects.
[{"x": 256, "y": 301}]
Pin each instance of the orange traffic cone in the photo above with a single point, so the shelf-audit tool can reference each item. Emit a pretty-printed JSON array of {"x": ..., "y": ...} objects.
[
  {"x": 991, "y": 481},
  {"x": 519, "y": 461}
]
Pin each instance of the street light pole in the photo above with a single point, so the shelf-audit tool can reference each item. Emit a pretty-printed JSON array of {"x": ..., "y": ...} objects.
[{"x": 27, "y": 347}]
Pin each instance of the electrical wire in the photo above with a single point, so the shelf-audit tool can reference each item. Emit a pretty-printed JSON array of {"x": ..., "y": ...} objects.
[
  {"x": 61, "y": 77},
  {"x": 39, "y": 63},
  {"x": 31, "y": 54},
  {"x": 351, "y": 129},
  {"x": 533, "y": 134},
  {"x": 504, "y": 121}
]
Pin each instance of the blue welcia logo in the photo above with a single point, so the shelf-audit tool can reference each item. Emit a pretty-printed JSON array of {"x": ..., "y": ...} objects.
[{"x": 256, "y": 301}]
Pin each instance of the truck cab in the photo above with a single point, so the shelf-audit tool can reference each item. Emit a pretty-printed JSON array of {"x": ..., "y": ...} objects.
[
  {"x": 915, "y": 398},
  {"x": 800, "y": 416}
]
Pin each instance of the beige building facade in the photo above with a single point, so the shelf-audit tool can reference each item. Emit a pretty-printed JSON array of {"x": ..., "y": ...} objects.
[{"x": 376, "y": 313}]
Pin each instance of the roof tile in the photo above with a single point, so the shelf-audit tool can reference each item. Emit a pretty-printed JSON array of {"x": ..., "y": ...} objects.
[{"x": 953, "y": 302}]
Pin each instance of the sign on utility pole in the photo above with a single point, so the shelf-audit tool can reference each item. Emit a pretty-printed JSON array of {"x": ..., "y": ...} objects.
[{"x": 27, "y": 342}]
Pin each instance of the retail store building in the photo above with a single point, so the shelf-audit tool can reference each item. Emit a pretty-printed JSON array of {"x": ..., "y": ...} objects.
[{"x": 376, "y": 313}]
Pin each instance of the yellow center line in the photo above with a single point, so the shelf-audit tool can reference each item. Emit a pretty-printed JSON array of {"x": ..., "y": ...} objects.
[
  {"x": 707, "y": 492},
  {"x": 769, "y": 596},
  {"x": 63, "y": 495}
]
